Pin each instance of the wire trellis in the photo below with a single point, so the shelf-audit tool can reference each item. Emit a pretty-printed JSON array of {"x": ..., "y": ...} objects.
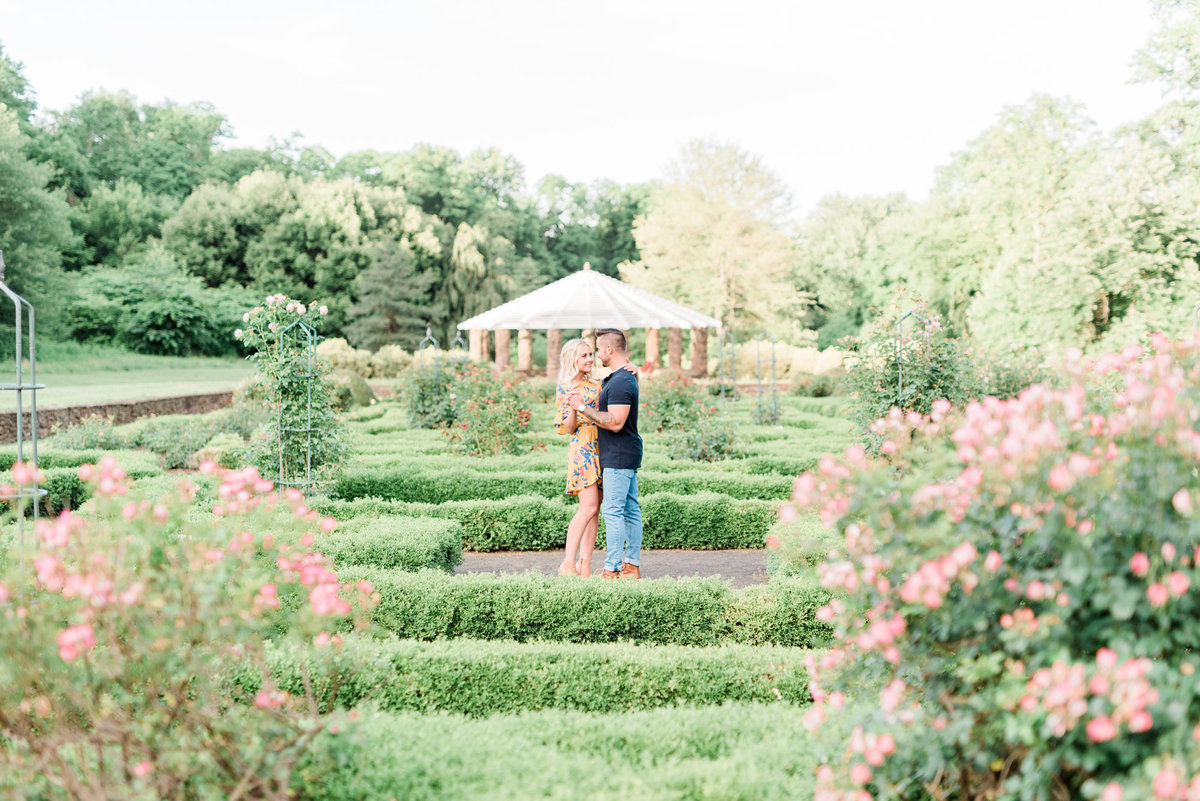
[
  {"x": 900, "y": 354},
  {"x": 23, "y": 493},
  {"x": 769, "y": 412},
  {"x": 303, "y": 337},
  {"x": 727, "y": 367}
]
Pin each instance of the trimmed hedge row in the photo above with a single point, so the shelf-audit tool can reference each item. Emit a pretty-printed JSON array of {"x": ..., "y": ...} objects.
[
  {"x": 733, "y": 751},
  {"x": 135, "y": 463},
  {"x": 463, "y": 484},
  {"x": 398, "y": 543},
  {"x": 692, "y": 611},
  {"x": 505, "y": 677},
  {"x": 532, "y": 522}
]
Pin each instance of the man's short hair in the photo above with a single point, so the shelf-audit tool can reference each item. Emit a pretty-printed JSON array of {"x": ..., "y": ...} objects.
[{"x": 616, "y": 338}]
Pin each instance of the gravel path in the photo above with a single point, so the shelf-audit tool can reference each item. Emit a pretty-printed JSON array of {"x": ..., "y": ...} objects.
[{"x": 742, "y": 568}]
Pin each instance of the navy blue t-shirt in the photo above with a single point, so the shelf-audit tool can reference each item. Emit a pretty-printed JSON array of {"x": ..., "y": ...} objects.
[{"x": 620, "y": 449}]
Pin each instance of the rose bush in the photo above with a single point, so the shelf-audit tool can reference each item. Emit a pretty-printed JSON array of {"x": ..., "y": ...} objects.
[
  {"x": 114, "y": 632},
  {"x": 298, "y": 390},
  {"x": 490, "y": 412},
  {"x": 1017, "y": 593}
]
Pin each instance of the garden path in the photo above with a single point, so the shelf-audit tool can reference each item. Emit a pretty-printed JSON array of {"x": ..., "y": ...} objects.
[{"x": 741, "y": 567}]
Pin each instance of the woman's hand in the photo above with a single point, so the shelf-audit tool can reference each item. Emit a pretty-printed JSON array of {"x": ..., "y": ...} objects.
[{"x": 631, "y": 367}]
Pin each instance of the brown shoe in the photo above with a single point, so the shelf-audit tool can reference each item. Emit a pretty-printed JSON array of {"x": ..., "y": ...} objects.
[
  {"x": 610, "y": 574},
  {"x": 630, "y": 571}
]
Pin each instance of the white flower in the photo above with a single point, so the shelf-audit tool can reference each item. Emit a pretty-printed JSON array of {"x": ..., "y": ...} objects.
[
  {"x": 270, "y": 301},
  {"x": 291, "y": 306},
  {"x": 301, "y": 309},
  {"x": 324, "y": 310},
  {"x": 237, "y": 334},
  {"x": 274, "y": 327},
  {"x": 246, "y": 317}
]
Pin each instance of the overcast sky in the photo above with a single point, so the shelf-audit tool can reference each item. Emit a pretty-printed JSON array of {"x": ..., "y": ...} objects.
[{"x": 857, "y": 96}]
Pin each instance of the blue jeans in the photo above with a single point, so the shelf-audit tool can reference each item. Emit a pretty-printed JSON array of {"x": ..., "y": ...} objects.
[{"x": 622, "y": 518}]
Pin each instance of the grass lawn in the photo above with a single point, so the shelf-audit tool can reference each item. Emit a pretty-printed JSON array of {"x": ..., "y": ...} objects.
[{"x": 78, "y": 374}]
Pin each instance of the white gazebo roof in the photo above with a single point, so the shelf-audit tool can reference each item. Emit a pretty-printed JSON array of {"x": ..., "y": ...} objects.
[{"x": 587, "y": 299}]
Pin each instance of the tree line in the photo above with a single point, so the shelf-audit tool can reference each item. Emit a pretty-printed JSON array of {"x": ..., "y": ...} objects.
[{"x": 132, "y": 222}]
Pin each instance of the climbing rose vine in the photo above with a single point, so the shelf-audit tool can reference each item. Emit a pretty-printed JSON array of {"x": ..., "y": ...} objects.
[{"x": 1016, "y": 603}]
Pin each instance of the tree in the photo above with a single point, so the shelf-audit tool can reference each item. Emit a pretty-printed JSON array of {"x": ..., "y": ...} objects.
[
  {"x": 15, "y": 92},
  {"x": 712, "y": 239},
  {"x": 34, "y": 226},
  {"x": 393, "y": 300},
  {"x": 118, "y": 222},
  {"x": 842, "y": 260}
]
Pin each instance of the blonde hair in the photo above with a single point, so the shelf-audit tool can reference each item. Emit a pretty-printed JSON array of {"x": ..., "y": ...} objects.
[{"x": 566, "y": 361}]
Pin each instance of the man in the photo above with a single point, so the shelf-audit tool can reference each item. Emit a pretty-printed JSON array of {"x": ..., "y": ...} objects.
[{"x": 620, "y": 451}]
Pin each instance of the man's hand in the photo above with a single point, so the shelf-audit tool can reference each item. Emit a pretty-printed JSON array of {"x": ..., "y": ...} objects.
[{"x": 574, "y": 400}]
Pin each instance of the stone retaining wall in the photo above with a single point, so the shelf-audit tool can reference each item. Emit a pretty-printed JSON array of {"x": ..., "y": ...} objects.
[{"x": 120, "y": 412}]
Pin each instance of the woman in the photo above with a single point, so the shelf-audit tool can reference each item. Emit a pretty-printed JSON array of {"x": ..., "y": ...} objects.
[{"x": 583, "y": 461}]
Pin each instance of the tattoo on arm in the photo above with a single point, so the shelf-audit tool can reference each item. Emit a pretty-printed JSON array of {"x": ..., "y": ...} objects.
[{"x": 597, "y": 417}]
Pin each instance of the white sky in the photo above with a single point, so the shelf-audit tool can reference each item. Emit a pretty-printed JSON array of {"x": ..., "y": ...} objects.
[{"x": 858, "y": 97}]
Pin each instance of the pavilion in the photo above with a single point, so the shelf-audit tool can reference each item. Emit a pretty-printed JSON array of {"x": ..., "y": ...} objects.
[{"x": 588, "y": 300}]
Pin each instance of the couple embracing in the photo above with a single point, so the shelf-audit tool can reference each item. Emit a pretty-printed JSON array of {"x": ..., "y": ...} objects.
[{"x": 605, "y": 454}]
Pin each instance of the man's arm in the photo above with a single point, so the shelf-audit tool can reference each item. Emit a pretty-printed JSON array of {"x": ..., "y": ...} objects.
[{"x": 612, "y": 420}]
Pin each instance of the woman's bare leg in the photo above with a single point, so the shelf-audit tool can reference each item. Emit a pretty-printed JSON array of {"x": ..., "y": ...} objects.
[
  {"x": 575, "y": 533},
  {"x": 589, "y": 507}
]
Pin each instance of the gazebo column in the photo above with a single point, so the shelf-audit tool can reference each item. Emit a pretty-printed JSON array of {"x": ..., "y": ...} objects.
[
  {"x": 525, "y": 350},
  {"x": 481, "y": 345},
  {"x": 553, "y": 346},
  {"x": 675, "y": 348},
  {"x": 503, "y": 339},
  {"x": 652, "y": 349},
  {"x": 473, "y": 349},
  {"x": 699, "y": 353}
]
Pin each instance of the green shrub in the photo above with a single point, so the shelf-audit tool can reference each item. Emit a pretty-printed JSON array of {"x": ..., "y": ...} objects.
[
  {"x": 438, "y": 486},
  {"x": 535, "y": 523},
  {"x": 93, "y": 431},
  {"x": 506, "y": 677},
  {"x": 734, "y": 751},
  {"x": 426, "y": 394},
  {"x": 820, "y": 385},
  {"x": 348, "y": 390},
  {"x": 344, "y": 358},
  {"x": 399, "y": 543},
  {"x": 226, "y": 450},
  {"x": 430, "y": 605},
  {"x": 390, "y": 361},
  {"x": 135, "y": 463},
  {"x": 709, "y": 440}
]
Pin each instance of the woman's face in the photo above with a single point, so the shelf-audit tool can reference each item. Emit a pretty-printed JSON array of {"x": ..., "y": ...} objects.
[{"x": 583, "y": 362}]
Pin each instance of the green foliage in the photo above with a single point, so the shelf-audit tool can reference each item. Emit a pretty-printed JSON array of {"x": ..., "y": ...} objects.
[
  {"x": 533, "y": 523},
  {"x": 823, "y": 385},
  {"x": 152, "y": 307},
  {"x": 505, "y": 677},
  {"x": 224, "y": 450},
  {"x": 923, "y": 366},
  {"x": 427, "y": 394},
  {"x": 431, "y": 605},
  {"x": 712, "y": 439},
  {"x": 395, "y": 543},
  {"x": 420, "y": 485},
  {"x": 725, "y": 752},
  {"x": 671, "y": 402},
  {"x": 94, "y": 431}
]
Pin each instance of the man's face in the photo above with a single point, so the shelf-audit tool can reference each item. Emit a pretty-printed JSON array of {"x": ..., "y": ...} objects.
[{"x": 603, "y": 352}]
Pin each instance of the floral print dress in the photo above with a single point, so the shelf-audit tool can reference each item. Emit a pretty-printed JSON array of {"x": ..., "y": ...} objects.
[{"x": 583, "y": 460}]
